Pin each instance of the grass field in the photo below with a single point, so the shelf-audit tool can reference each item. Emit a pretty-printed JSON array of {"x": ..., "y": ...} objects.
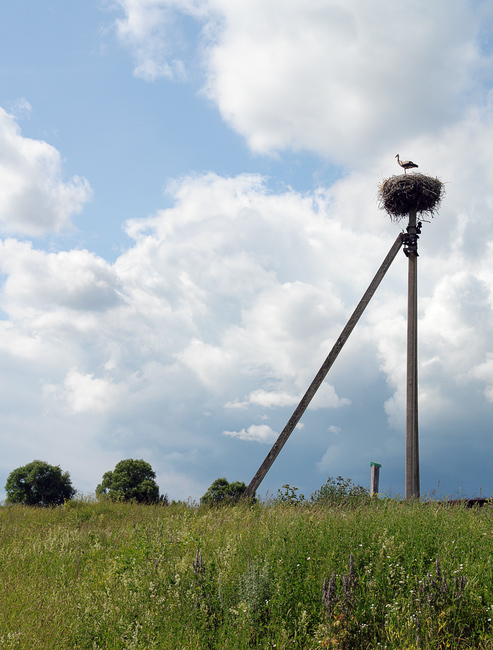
[{"x": 361, "y": 574}]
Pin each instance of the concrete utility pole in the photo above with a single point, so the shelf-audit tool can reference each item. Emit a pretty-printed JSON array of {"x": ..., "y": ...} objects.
[
  {"x": 402, "y": 196},
  {"x": 314, "y": 386},
  {"x": 375, "y": 478},
  {"x": 412, "y": 439}
]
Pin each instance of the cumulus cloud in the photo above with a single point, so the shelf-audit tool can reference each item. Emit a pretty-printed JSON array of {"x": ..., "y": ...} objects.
[
  {"x": 344, "y": 81},
  {"x": 83, "y": 393},
  {"x": 221, "y": 313},
  {"x": 204, "y": 309},
  {"x": 325, "y": 397},
  {"x": 34, "y": 199},
  {"x": 36, "y": 280},
  {"x": 255, "y": 432}
]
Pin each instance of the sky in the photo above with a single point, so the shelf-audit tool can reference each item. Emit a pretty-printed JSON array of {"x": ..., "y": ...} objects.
[{"x": 189, "y": 215}]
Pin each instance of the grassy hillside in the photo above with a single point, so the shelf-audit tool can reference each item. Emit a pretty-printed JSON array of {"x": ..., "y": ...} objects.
[{"x": 380, "y": 574}]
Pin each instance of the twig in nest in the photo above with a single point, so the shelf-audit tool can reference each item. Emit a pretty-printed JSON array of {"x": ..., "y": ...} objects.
[{"x": 400, "y": 194}]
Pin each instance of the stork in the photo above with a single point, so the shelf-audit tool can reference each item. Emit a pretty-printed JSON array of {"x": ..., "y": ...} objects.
[{"x": 405, "y": 164}]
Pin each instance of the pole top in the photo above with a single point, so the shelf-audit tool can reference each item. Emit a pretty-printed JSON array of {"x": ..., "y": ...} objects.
[{"x": 375, "y": 465}]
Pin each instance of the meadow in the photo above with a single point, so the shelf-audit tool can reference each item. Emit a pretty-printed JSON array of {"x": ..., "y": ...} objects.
[{"x": 283, "y": 574}]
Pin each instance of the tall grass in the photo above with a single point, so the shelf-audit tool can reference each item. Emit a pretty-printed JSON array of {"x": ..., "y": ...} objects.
[{"x": 285, "y": 575}]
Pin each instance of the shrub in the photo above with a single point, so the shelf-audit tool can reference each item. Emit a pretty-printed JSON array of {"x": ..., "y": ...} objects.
[
  {"x": 222, "y": 492},
  {"x": 39, "y": 484},
  {"x": 339, "y": 491},
  {"x": 289, "y": 494},
  {"x": 131, "y": 480}
]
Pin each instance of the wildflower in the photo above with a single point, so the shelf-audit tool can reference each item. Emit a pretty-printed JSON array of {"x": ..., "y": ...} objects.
[
  {"x": 329, "y": 597},
  {"x": 352, "y": 571}
]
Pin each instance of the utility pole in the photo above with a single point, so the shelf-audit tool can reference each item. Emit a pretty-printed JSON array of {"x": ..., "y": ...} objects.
[{"x": 412, "y": 437}]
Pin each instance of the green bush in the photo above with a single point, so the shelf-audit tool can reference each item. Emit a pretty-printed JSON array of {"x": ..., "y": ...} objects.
[
  {"x": 289, "y": 495},
  {"x": 39, "y": 484},
  {"x": 223, "y": 492},
  {"x": 340, "y": 491},
  {"x": 131, "y": 480}
]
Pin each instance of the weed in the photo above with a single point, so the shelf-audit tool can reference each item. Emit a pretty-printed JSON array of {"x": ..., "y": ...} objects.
[{"x": 330, "y": 572}]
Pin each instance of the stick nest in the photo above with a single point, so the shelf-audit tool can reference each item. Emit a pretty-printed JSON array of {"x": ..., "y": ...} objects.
[{"x": 400, "y": 194}]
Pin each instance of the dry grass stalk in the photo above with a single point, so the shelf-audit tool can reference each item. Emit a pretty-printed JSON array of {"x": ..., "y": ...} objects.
[{"x": 399, "y": 194}]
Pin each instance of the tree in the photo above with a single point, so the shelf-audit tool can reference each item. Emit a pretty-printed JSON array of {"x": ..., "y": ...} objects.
[
  {"x": 221, "y": 492},
  {"x": 39, "y": 484},
  {"x": 131, "y": 480}
]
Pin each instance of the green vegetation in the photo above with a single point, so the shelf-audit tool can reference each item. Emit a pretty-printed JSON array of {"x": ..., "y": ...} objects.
[
  {"x": 223, "y": 492},
  {"x": 131, "y": 480},
  {"x": 39, "y": 484},
  {"x": 334, "y": 492},
  {"x": 367, "y": 573}
]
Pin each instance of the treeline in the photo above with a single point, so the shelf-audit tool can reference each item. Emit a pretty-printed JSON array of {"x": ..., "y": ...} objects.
[{"x": 41, "y": 484}]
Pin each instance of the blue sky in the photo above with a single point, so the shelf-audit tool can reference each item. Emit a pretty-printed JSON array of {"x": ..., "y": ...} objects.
[{"x": 188, "y": 216}]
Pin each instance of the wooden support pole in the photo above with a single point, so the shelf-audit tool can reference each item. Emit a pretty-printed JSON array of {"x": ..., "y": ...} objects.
[
  {"x": 375, "y": 478},
  {"x": 314, "y": 386},
  {"x": 412, "y": 438}
]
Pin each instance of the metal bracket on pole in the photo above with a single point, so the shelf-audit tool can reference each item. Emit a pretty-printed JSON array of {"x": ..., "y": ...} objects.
[{"x": 314, "y": 386}]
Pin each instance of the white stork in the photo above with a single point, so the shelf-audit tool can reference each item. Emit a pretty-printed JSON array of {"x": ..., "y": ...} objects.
[{"x": 405, "y": 164}]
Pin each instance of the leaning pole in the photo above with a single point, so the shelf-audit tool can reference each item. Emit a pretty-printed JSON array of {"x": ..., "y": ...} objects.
[
  {"x": 322, "y": 373},
  {"x": 407, "y": 196}
]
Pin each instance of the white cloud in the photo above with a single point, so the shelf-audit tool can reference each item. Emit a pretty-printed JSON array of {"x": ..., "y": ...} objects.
[
  {"x": 34, "y": 199},
  {"x": 152, "y": 30},
  {"x": 202, "y": 310},
  {"x": 255, "y": 432},
  {"x": 325, "y": 397},
  {"x": 76, "y": 280},
  {"x": 20, "y": 108},
  {"x": 233, "y": 297},
  {"x": 345, "y": 81},
  {"x": 83, "y": 393}
]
